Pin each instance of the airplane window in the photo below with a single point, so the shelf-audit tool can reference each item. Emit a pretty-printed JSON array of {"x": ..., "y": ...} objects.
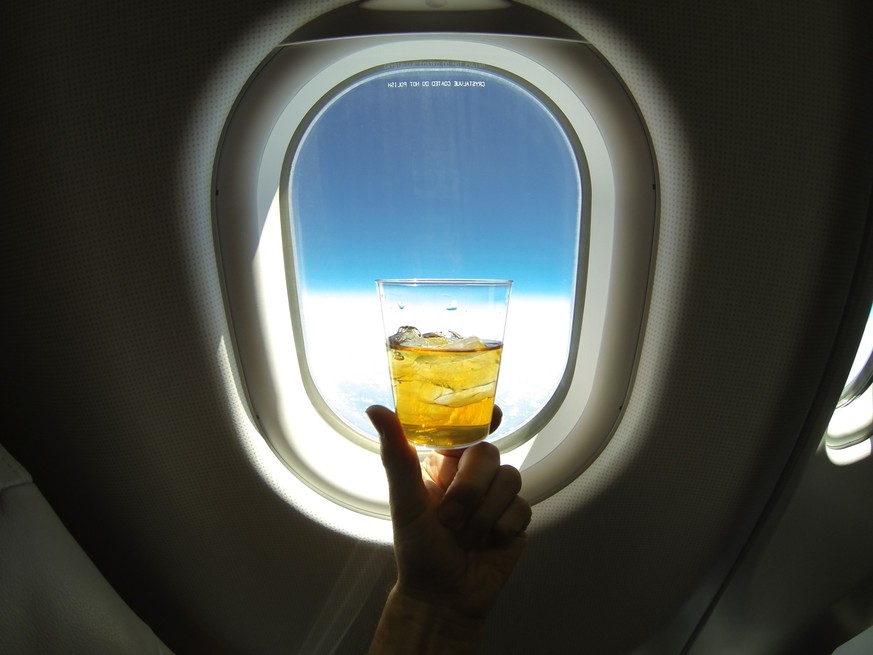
[
  {"x": 433, "y": 170},
  {"x": 367, "y": 148}
]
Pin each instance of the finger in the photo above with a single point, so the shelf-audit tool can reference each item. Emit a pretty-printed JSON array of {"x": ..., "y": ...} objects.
[
  {"x": 406, "y": 489},
  {"x": 499, "y": 498},
  {"x": 513, "y": 522},
  {"x": 441, "y": 468},
  {"x": 477, "y": 467},
  {"x": 496, "y": 418}
]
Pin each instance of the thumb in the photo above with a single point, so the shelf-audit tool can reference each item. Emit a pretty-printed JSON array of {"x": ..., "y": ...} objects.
[{"x": 408, "y": 495}]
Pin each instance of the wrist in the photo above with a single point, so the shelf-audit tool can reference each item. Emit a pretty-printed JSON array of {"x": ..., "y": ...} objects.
[{"x": 412, "y": 624}]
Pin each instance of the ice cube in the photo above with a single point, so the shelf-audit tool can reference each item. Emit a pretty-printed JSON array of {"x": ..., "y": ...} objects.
[
  {"x": 464, "y": 397},
  {"x": 406, "y": 335},
  {"x": 440, "y": 339},
  {"x": 411, "y": 337},
  {"x": 466, "y": 343}
]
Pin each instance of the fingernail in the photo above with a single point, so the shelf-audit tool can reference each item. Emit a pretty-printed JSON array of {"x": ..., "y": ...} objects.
[{"x": 369, "y": 414}]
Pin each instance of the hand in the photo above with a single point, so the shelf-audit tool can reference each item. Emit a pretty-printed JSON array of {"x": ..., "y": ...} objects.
[{"x": 459, "y": 524}]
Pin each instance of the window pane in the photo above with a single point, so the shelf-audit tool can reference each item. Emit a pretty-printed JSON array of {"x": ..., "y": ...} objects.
[{"x": 433, "y": 170}]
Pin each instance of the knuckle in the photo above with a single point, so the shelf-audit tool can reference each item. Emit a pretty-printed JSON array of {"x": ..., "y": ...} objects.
[
  {"x": 511, "y": 477},
  {"x": 484, "y": 449}
]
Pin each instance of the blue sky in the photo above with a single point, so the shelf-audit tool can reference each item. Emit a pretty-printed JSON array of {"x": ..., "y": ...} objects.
[{"x": 435, "y": 172}]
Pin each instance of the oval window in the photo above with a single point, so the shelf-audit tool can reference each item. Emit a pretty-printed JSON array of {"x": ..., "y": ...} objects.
[{"x": 431, "y": 169}]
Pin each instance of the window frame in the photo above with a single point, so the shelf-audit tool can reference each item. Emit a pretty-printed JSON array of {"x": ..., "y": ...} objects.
[{"x": 340, "y": 481}]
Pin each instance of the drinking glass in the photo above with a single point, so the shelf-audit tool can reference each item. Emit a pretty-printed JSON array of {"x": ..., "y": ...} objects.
[{"x": 444, "y": 340}]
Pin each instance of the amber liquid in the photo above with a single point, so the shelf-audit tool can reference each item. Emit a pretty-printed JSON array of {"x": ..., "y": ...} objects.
[{"x": 444, "y": 397}]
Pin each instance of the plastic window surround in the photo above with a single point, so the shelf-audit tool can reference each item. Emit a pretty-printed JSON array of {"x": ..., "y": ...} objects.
[{"x": 341, "y": 483}]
